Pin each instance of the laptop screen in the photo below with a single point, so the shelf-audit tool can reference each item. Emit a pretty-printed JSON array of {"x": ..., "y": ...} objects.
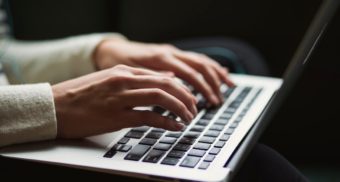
[{"x": 299, "y": 60}]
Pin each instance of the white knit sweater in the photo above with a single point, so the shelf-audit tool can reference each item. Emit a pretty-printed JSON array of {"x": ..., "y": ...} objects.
[{"x": 27, "y": 112}]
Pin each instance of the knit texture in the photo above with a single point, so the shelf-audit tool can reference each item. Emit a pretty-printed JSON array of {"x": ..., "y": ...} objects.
[{"x": 27, "y": 114}]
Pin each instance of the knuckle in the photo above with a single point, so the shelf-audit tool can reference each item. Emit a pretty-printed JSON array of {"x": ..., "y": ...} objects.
[
  {"x": 167, "y": 82},
  {"x": 121, "y": 67},
  {"x": 182, "y": 107},
  {"x": 160, "y": 55},
  {"x": 204, "y": 56},
  {"x": 120, "y": 80},
  {"x": 204, "y": 68},
  {"x": 157, "y": 93},
  {"x": 196, "y": 75},
  {"x": 168, "y": 46}
]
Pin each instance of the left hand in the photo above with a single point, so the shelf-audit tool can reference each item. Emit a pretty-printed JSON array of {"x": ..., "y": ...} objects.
[{"x": 189, "y": 66}]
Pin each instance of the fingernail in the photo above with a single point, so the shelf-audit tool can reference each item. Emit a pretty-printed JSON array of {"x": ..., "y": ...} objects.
[
  {"x": 232, "y": 85},
  {"x": 221, "y": 97},
  {"x": 195, "y": 99},
  {"x": 189, "y": 117},
  {"x": 179, "y": 126},
  {"x": 214, "y": 99},
  {"x": 195, "y": 109}
]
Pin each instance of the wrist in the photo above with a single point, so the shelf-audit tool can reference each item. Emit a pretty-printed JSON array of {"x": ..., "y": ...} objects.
[
  {"x": 102, "y": 55},
  {"x": 57, "y": 96}
]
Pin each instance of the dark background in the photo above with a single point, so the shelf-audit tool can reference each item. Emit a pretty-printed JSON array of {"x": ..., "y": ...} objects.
[{"x": 306, "y": 130}]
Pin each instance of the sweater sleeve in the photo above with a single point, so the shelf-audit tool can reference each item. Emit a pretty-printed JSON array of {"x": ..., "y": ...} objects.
[
  {"x": 51, "y": 61},
  {"x": 27, "y": 114}
]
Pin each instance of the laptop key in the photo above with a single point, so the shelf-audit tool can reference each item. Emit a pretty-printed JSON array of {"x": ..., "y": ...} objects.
[
  {"x": 141, "y": 129},
  {"x": 155, "y": 135},
  {"x": 204, "y": 165},
  {"x": 148, "y": 141},
  {"x": 124, "y": 140},
  {"x": 162, "y": 146},
  {"x": 202, "y": 103},
  {"x": 230, "y": 110},
  {"x": 238, "y": 119},
  {"x": 137, "y": 152},
  {"x": 206, "y": 139},
  {"x": 196, "y": 152},
  {"x": 233, "y": 125},
  {"x": 219, "y": 144},
  {"x": 216, "y": 127},
  {"x": 226, "y": 116},
  {"x": 124, "y": 148},
  {"x": 182, "y": 147},
  {"x": 192, "y": 134},
  {"x": 190, "y": 161},
  {"x": 197, "y": 128},
  {"x": 221, "y": 121},
  {"x": 134, "y": 134},
  {"x": 170, "y": 161},
  {"x": 225, "y": 137},
  {"x": 186, "y": 140},
  {"x": 168, "y": 140},
  {"x": 214, "y": 151},
  {"x": 229, "y": 131},
  {"x": 154, "y": 156},
  {"x": 203, "y": 122},
  {"x": 202, "y": 146},
  {"x": 117, "y": 147},
  {"x": 208, "y": 116},
  {"x": 174, "y": 134},
  {"x": 176, "y": 154},
  {"x": 110, "y": 153},
  {"x": 212, "y": 110},
  {"x": 158, "y": 110},
  {"x": 211, "y": 133},
  {"x": 228, "y": 93},
  {"x": 172, "y": 116},
  {"x": 209, "y": 158}
]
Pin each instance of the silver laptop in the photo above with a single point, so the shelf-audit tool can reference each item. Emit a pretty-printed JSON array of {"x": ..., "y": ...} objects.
[{"x": 211, "y": 148}]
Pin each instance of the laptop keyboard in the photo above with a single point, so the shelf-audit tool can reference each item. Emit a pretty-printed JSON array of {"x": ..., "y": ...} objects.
[{"x": 197, "y": 144}]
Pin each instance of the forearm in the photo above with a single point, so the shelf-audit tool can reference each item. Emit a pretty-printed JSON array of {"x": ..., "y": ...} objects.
[
  {"x": 51, "y": 61},
  {"x": 27, "y": 114}
]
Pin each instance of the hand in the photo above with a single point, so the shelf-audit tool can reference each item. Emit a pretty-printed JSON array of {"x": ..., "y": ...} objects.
[
  {"x": 189, "y": 66},
  {"x": 104, "y": 101}
]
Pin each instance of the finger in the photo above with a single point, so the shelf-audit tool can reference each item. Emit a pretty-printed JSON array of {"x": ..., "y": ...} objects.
[
  {"x": 205, "y": 68},
  {"x": 144, "y": 71},
  {"x": 149, "y": 118},
  {"x": 194, "y": 78},
  {"x": 185, "y": 72},
  {"x": 168, "y": 85},
  {"x": 223, "y": 73},
  {"x": 155, "y": 96}
]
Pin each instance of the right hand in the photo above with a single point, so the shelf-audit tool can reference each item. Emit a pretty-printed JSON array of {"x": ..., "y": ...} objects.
[{"x": 103, "y": 101}]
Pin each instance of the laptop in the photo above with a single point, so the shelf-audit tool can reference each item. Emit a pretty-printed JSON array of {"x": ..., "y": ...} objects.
[{"x": 211, "y": 148}]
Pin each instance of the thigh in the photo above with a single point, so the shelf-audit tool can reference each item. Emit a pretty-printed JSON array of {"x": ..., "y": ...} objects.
[{"x": 266, "y": 165}]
